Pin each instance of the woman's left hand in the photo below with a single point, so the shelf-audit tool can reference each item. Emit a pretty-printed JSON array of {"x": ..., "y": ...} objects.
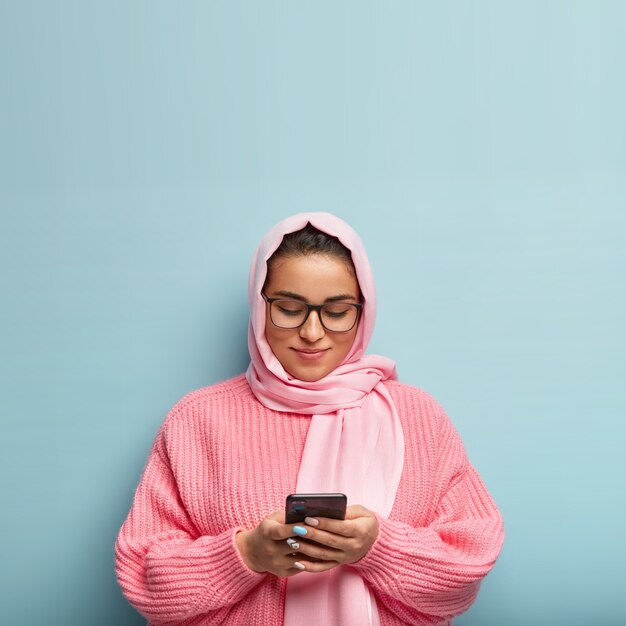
[{"x": 338, "y": 541}]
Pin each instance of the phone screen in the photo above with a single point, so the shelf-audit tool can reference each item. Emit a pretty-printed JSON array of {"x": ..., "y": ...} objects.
[{"x": 301, "y": 505}]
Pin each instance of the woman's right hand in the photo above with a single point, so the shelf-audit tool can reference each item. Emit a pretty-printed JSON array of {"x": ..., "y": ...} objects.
[{"x": 265, "y": 549}]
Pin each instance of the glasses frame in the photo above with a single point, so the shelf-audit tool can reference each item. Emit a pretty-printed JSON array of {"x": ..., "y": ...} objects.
[{"x": 318, "y": 309}]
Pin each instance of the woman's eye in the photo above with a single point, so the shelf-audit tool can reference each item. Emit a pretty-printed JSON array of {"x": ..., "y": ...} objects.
[
  {"x": 286, "y": 309},
  {"x": 337, "y": 313}
]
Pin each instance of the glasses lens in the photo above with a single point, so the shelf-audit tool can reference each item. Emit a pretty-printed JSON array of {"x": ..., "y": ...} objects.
[
  {"x": 335, "y": 316},
  {"x": 288, "y": 313},
  {"x": 339, "y": 316}
]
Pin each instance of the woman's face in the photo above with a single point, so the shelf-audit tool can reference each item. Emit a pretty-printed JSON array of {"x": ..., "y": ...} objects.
[{"x": 310, "y": 352}]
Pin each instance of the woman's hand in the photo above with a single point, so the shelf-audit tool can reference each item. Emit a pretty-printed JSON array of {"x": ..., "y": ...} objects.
[
  {"x": 265, "y": 549},
  {"x": 326, "y": 542},
  {"x": 337, "y": 542}
]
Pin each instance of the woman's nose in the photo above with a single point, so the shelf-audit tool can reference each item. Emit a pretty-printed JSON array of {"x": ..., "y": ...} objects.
[{"x": 312, "y": 329}]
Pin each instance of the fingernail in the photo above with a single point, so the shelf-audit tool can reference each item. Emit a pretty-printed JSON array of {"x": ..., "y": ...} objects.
[
  {"x": 298, "y": 565},
  {"x": 300, "y": 530},
  {"x": 311, "y": 521}
]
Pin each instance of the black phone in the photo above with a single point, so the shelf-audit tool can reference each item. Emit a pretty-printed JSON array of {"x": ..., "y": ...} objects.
[{"x": 301, "y": 505}]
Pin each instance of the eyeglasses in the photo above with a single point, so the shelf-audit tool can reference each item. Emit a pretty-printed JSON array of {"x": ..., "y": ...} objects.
[{"x": 336, "y": 317}]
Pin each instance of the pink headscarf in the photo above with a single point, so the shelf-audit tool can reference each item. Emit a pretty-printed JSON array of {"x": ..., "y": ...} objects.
[{"x": 354, "y": 444}]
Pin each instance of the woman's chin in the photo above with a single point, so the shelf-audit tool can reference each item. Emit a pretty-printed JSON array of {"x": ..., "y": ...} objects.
[{"x": 308, "y": 374}]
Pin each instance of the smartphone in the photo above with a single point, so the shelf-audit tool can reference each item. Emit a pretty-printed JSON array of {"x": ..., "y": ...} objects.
[{"x": 301, "y": 505}]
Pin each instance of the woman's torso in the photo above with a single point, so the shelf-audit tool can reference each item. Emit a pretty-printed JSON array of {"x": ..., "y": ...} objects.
[{"x": 235, "y": 461}]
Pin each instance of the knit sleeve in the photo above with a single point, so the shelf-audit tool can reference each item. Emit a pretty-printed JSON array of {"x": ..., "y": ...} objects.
[
  {"x": 431, "y": 574},
  {"x": 166, "y": 570}
]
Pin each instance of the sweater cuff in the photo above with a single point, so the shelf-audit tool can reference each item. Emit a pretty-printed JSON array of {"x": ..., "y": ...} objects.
[{"x": 236, "y": 579}]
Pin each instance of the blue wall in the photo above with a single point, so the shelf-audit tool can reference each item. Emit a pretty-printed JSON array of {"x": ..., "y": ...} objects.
[{"x": 478, "y": 147}]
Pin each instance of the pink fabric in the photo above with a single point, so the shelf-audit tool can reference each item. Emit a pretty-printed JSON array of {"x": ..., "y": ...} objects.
[
  {"x": 355, "y": 442},
  {"x": 221, "y": 462}
]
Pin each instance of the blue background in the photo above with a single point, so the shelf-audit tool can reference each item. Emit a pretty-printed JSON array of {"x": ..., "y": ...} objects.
[{"x": 479, "y": 148}]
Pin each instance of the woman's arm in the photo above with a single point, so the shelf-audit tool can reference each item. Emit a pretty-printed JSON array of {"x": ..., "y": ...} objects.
[
  {"x": 165, "y": 568},
  {"x": 431, "y": 573}
]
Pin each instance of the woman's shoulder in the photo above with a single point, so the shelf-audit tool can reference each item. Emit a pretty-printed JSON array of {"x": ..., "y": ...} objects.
[
  {"x": 221, "y": 393},
  {"x": 411, "y": 393},
  {"x": 412, "y": 402}
]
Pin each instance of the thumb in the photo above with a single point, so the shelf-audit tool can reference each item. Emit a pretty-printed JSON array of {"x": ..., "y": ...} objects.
[
  {"x": 277, "y": 516},
  {"x": 356, "y": 510}
]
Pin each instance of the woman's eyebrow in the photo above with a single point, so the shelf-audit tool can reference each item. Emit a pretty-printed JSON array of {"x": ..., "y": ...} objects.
[
  {"x": 290, "y": 294},
  {"x": 343, "y": 296},
  {"x": 297, "y": 296}
]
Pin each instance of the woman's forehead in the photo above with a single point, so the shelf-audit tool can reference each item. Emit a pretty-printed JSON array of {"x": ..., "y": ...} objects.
[{"x": 313, "y": 275}]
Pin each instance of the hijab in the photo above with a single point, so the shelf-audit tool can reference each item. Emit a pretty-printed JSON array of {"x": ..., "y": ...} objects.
[{"x": 354, "y": 443}]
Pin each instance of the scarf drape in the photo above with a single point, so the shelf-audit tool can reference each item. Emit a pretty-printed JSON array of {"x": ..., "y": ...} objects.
[{"x": 354, "y": 443}]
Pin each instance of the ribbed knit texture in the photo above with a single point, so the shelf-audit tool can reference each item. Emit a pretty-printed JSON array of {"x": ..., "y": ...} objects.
[{"x": 222, "y": 461}]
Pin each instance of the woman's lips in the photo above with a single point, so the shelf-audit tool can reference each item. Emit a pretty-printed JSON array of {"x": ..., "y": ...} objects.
[{"x": 310, "y": 355}]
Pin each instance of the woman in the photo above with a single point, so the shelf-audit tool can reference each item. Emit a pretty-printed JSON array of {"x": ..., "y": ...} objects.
[{"x": 205, "y": 542}]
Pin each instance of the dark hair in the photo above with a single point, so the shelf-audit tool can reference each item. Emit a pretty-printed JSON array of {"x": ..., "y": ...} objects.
[{"x": 310, "y": 240}]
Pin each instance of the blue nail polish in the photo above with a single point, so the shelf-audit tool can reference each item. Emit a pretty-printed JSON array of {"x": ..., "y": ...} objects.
[{"x": 300, "y": 530}]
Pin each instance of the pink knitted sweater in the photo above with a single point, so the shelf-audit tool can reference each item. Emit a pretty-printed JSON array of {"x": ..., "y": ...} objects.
[{"x": 222, "y": 461}]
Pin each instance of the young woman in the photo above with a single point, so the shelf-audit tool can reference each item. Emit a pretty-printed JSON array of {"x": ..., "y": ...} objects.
[{"x": 205, "y": 541}]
